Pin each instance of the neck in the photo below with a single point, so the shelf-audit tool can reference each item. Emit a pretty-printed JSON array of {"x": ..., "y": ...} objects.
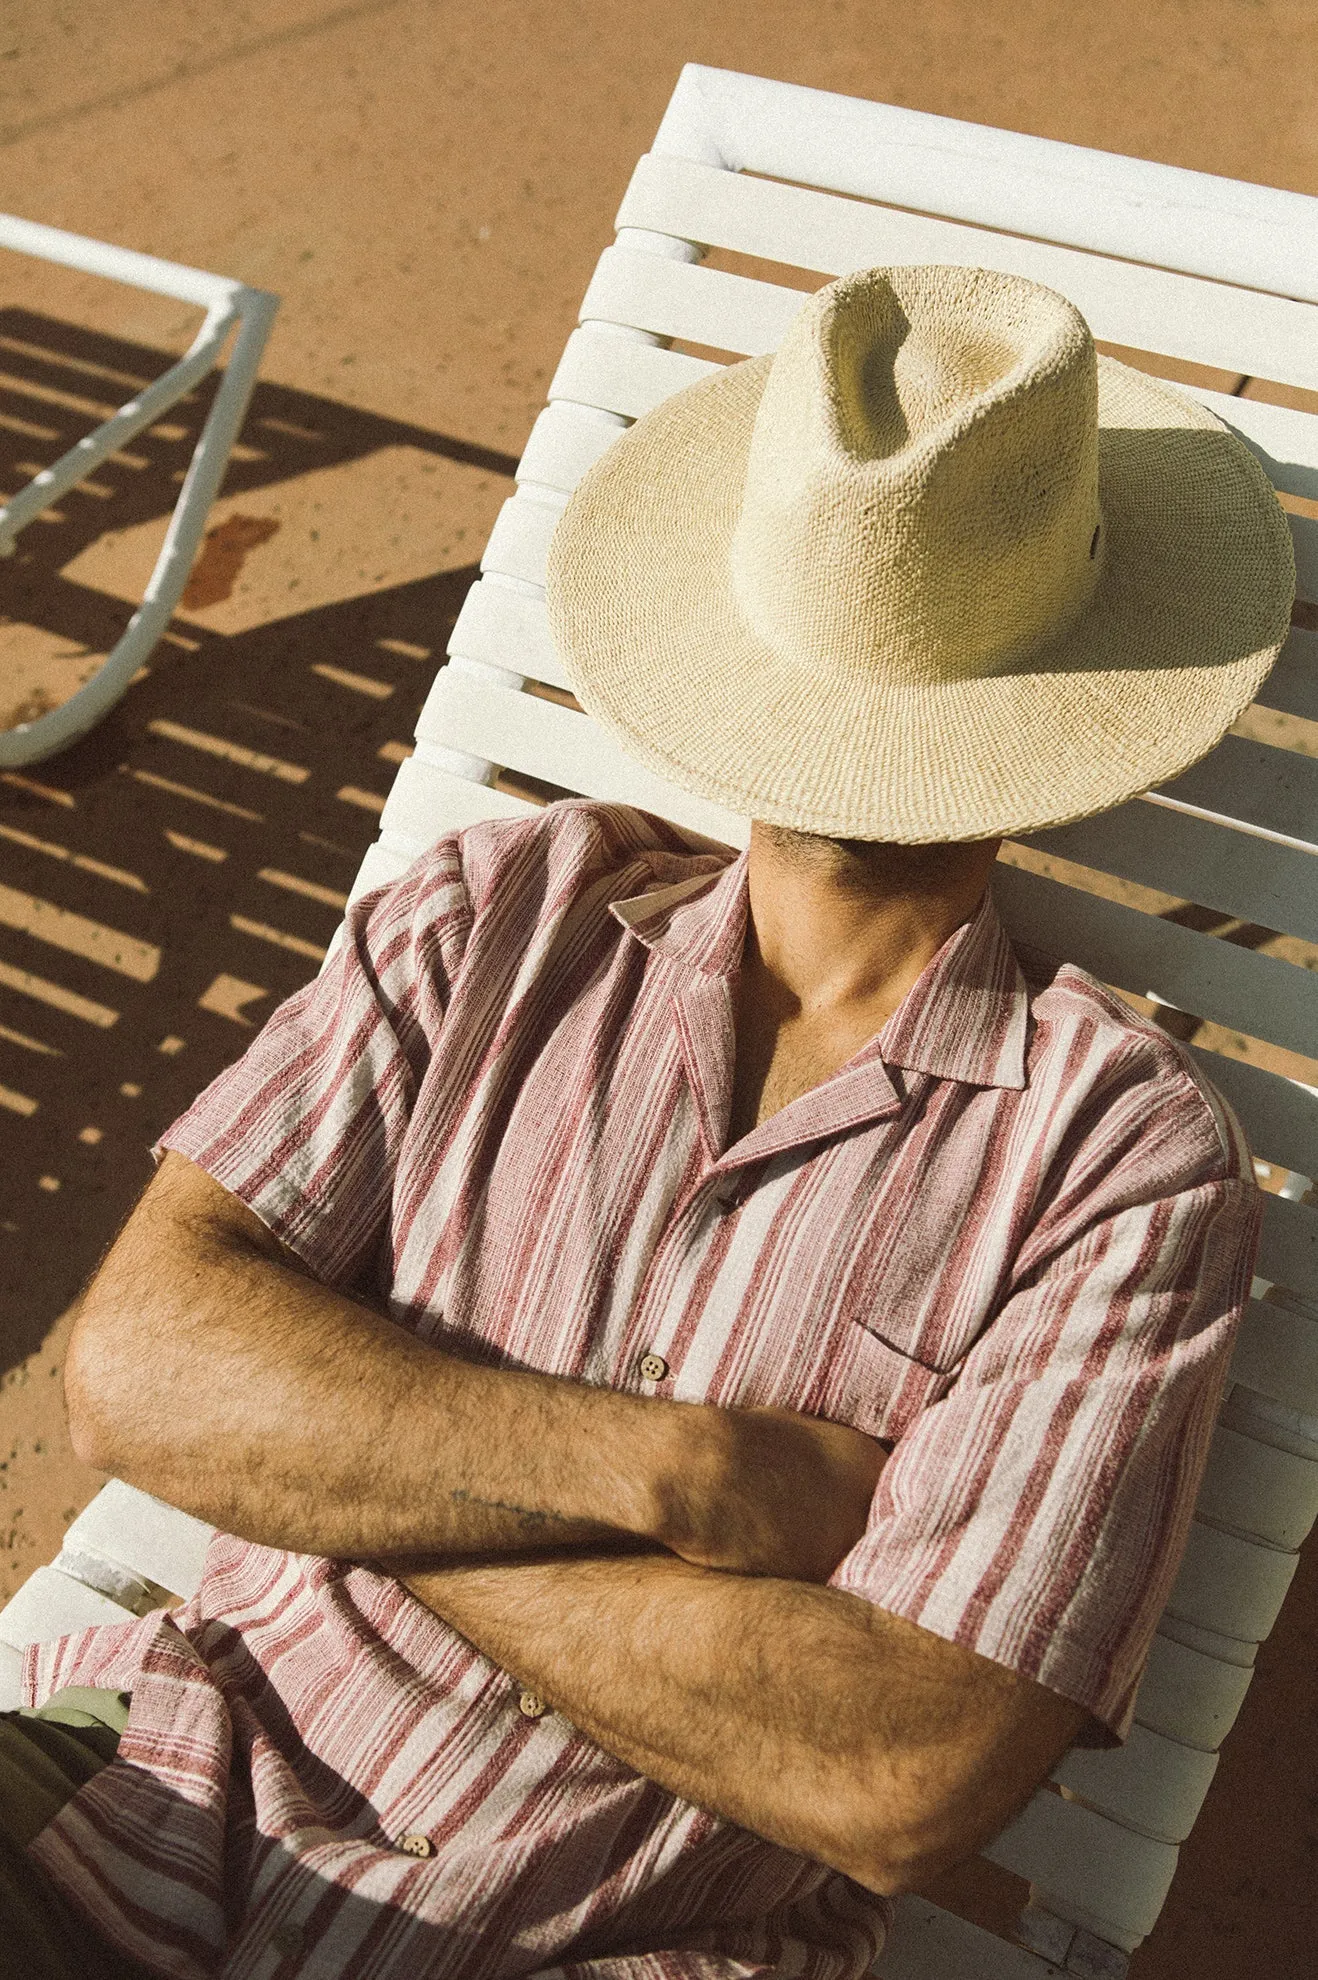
[{"x": 837, "y": 927}]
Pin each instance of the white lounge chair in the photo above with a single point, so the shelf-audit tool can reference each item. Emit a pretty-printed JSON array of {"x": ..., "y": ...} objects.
[
  {"x": 229, "y": 306},
  {"x": 1176, "y": 262}
]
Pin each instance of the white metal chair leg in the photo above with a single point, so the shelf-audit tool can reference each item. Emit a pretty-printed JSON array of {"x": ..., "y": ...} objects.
[{"x": 226, "y": 304}]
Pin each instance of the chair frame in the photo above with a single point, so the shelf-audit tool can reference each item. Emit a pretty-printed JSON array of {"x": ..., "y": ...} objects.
[{"x": 229, "y": 306}]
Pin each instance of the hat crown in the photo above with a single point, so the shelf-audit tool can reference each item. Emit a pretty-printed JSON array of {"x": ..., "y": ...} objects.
[{"x": 921, "y": 491}]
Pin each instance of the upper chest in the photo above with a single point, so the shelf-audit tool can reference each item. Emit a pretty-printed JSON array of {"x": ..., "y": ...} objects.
[
  {"x": 779, "y": 1057},
  {"x": 574, "y": 1196}
]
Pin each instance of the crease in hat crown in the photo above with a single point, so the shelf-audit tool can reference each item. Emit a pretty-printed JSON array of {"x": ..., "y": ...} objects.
[{"x": 921, "y": 492}]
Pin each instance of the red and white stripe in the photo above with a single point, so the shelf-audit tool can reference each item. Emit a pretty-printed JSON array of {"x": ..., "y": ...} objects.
[{"x": 1011, "y": 1236}]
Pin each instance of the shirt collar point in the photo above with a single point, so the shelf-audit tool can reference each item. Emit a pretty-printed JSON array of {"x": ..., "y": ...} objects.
[
  {"x": 699, "y": 920},
  {"x": 968, "y": 1017}
]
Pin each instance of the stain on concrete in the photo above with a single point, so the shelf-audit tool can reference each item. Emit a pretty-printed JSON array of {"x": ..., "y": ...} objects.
[
  {"x": 223, "y": 555},
  {"x": 33, "y": 705}
]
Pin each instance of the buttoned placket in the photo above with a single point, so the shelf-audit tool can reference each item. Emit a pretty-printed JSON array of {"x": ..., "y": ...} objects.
[
  {"x": 698, "y": 930},
  {"x": 860, "y": 1094}
]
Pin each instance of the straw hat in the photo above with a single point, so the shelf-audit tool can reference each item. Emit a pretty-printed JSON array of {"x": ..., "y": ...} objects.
[{"x": 933, "y": 571}]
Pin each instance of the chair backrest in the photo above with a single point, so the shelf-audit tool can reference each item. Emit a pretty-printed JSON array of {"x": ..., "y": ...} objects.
[{"x": 746, "y": 173}]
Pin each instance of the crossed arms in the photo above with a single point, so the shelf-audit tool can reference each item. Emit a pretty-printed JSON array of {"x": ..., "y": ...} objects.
[{"x": 653, "y": 1569}]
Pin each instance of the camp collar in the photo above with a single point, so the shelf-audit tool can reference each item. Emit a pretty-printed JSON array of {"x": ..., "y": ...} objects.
[{"x": 966, "y": 1018}]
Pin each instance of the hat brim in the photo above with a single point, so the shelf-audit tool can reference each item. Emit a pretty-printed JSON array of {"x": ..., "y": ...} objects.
[{"x": 1188, "y": 616}]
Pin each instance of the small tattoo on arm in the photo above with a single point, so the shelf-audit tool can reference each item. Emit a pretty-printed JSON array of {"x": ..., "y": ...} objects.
[{"x": 535, "y": 1515}]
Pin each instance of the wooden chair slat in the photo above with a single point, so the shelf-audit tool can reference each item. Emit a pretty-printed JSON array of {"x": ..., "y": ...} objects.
[
  {"x": 427, "y": 801},
  {"x": 504, "y": 628},
  {"x": 1292, "y": 685},
  {"x": 1183, "y": 316},
  {"x": 565, "y": 441},
  {"x": 382, "y": 865},
  {"x": 1188, "y": 1696},
  {"x": 681, "y": 299},
  {"x": 927, "y": 1943},
  {"x": 543, "y": 739},
  {"x": 1257, "y": 784},
  {"x": 1237, "y": 1651},
  {"x": 1229, "y": 1585},
  {"x": 1231, "y": 230},
  {"x": 1276, "y": 1354},
  {"x": 151, "y": 1539},
  {"x": 519, "y": 541},
  {"x": 1089, "y": 1868},
  {"x": 1256, "y": 1490},
  {"x": 1288, "y": 1251},
  {"x": 1154, "y": 1784},
  {"x": 621, "y": 374},
  {"x": 11, "y": 1678},
  {"x": 1260, "y": 995},
  {"x": 51, "y": 1603},
  {"x": 1195, "y": 860}
]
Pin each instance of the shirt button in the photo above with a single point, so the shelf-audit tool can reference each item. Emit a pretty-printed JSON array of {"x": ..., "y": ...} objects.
[
  {"x": 416, "y": 1846},
  {"x": 531, "y": 1707},
  {"x": 653, "y": 1367}
]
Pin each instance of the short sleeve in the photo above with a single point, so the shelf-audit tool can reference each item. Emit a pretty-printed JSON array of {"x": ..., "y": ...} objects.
[
  {"x": 1037, "y": 1511},
  {"x": 307, "y": 1126}
]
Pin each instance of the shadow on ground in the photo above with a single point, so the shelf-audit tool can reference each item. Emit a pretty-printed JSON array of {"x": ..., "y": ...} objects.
[
  {"x": 59, "y": 381},
  {"x": 170, "y": 879}
]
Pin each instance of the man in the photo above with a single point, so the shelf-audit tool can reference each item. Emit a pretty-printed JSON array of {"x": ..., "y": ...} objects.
[{"x": 708, "y": 1361}]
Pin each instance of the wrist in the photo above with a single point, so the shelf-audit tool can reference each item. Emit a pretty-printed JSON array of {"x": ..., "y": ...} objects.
[{"x": 691, "y": 1455}]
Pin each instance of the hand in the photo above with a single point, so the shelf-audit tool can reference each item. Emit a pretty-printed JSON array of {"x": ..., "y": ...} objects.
[{"x": 766, "y": 1491}]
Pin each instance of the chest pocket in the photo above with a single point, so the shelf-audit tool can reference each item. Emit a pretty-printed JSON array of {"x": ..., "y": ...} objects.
[{"x": 877, "y": 1388}]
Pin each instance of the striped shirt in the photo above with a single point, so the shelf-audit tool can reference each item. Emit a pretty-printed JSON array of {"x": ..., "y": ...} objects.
[{"x": 1010, "y": 1237}]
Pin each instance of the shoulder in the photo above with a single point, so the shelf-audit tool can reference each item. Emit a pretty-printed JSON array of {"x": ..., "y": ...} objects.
[
  {"x": 511, "y": 874},
  {"x": 1120, "y": 1076},
  {"x": 572, "y": 843},
  {"x": 506, "y": 884}
]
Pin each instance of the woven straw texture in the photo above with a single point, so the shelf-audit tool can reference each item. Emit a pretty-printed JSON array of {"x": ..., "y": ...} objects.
[{"x": 933, "y": 571}]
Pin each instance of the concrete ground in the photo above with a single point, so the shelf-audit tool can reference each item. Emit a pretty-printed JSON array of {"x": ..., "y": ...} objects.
[{"x": 427, "y": 186}]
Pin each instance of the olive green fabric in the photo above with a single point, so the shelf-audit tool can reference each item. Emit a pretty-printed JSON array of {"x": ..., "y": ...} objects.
[{"x": 46, "y": 1755}]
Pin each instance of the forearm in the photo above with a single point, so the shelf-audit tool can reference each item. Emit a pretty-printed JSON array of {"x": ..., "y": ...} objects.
[
  {"x": 800, "y": 1712},
  {"x": 216, "y": 1376},
  {"x": 208, "y": 1367}
]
